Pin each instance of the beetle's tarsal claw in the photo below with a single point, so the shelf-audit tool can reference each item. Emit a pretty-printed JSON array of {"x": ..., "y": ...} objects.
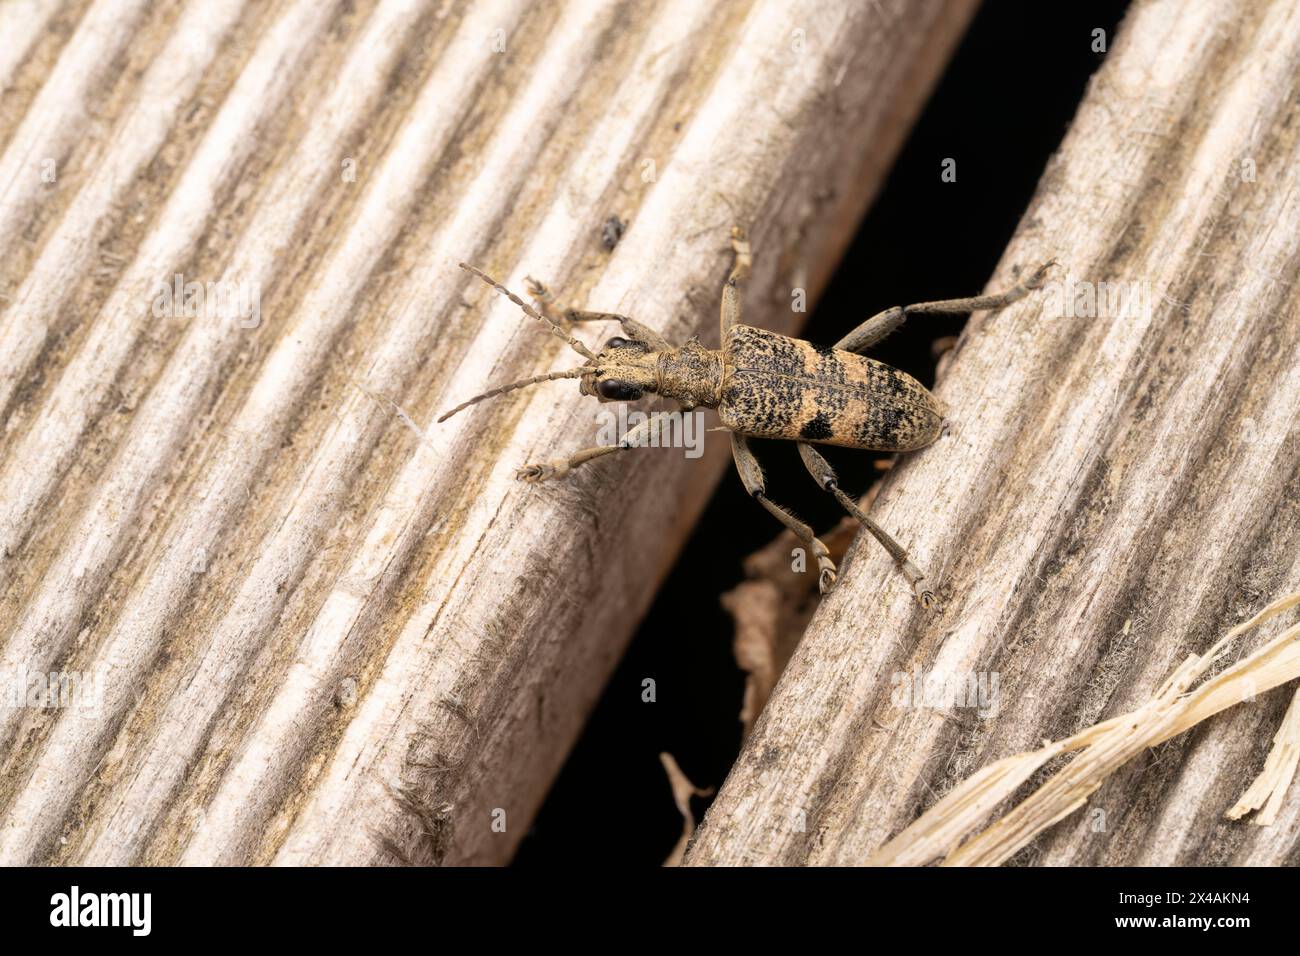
[
  {"x": 825, "y": 580},
  {"x": 744, "y": 258},
  {"x": 1036, "y": 279},
  {"x": 825, "y": 566},
  {"x": 544, "y": 472},
  {"x": 920, "y": 585}
]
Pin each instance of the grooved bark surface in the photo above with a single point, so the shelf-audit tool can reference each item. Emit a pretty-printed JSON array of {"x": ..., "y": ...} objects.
[
  {"x": 1117, "y": 490},
  {"x": 324, "y": 630}
]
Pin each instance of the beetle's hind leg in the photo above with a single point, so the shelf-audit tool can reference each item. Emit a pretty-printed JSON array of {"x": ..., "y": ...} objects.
[
  {"x": 751, "y": 474},
  {"x": 824, "y": 474},
  {"x": 556, "y": 313},
  {"x": 882, "y": 324}
]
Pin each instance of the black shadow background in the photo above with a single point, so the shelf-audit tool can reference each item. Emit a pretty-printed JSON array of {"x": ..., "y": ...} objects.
[{"x": 1000, "y": 111}]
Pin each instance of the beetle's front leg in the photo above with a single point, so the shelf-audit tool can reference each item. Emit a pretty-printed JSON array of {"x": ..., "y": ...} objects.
[
  {"x": 557, "y": 313},
  {"x": 824, "y": 474},
  {"x": 751, "y": 474},
  {"x": 559, "y": 467},
  {"x": 740, "y": 269}
]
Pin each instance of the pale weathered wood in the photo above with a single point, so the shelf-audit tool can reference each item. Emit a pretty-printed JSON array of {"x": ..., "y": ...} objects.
[
  {"x": 330, "y": 632},
  {"x": 1115, "y": 493}
]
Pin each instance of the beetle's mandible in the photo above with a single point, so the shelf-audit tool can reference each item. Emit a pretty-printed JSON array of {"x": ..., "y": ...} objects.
[{"x": 763, "y": 385}]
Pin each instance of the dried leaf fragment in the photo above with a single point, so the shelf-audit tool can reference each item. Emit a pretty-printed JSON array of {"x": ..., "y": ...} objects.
[{"x": 683, "y": 790}]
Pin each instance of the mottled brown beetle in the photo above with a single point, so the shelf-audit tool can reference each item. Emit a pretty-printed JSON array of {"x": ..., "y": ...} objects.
[{"x": 763, "y": 385}]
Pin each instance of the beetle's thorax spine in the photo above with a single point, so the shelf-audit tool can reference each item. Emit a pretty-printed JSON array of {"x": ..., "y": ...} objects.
[{"x": 691, "y": 375}]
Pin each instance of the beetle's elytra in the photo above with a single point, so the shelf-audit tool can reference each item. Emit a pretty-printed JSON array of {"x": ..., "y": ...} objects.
[
  {"x": 779, "y": 387},
  {"x": 764, "y": 385}
]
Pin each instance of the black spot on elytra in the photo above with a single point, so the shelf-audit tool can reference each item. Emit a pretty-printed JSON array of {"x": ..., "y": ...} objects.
[
  {"x": 896, "y": 420},
  {"x": 818, "y": 428}
]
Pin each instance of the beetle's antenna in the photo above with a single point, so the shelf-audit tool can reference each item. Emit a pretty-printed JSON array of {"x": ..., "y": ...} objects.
[
  {"x": 529, "y": 310},
  {"x": 522, "y": 383}
]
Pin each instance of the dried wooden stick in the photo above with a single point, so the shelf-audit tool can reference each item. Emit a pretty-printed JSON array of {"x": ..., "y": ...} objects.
[{"x": 1104, "y": 747}]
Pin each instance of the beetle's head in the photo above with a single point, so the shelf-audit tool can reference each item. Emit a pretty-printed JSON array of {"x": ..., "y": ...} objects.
[{"x": 625, "y": 370}]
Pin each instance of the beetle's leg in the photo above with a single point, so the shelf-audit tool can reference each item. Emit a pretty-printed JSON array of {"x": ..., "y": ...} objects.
[
  {"x": 739, "y": 272},
  {"x": 631, "y": 327},
  {"x": 751, "y": 474},
  {"x": 557, "y": 313},
  {"x": 560, "y": 467},
  {"x": 883, "y": 323},
  {"x": 824, "y": 475}
]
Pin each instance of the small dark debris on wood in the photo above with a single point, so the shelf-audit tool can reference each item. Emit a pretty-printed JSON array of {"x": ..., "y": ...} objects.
[{"x": 611, "y": 232}]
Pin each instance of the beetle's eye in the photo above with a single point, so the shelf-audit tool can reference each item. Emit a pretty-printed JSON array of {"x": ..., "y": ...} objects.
[
  {"x": 617, "y": 342},
  {"x": 617, "y": 390}
]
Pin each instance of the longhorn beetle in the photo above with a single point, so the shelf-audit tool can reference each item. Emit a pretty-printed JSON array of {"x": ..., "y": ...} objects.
[{"x": 763, "y": 385}]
